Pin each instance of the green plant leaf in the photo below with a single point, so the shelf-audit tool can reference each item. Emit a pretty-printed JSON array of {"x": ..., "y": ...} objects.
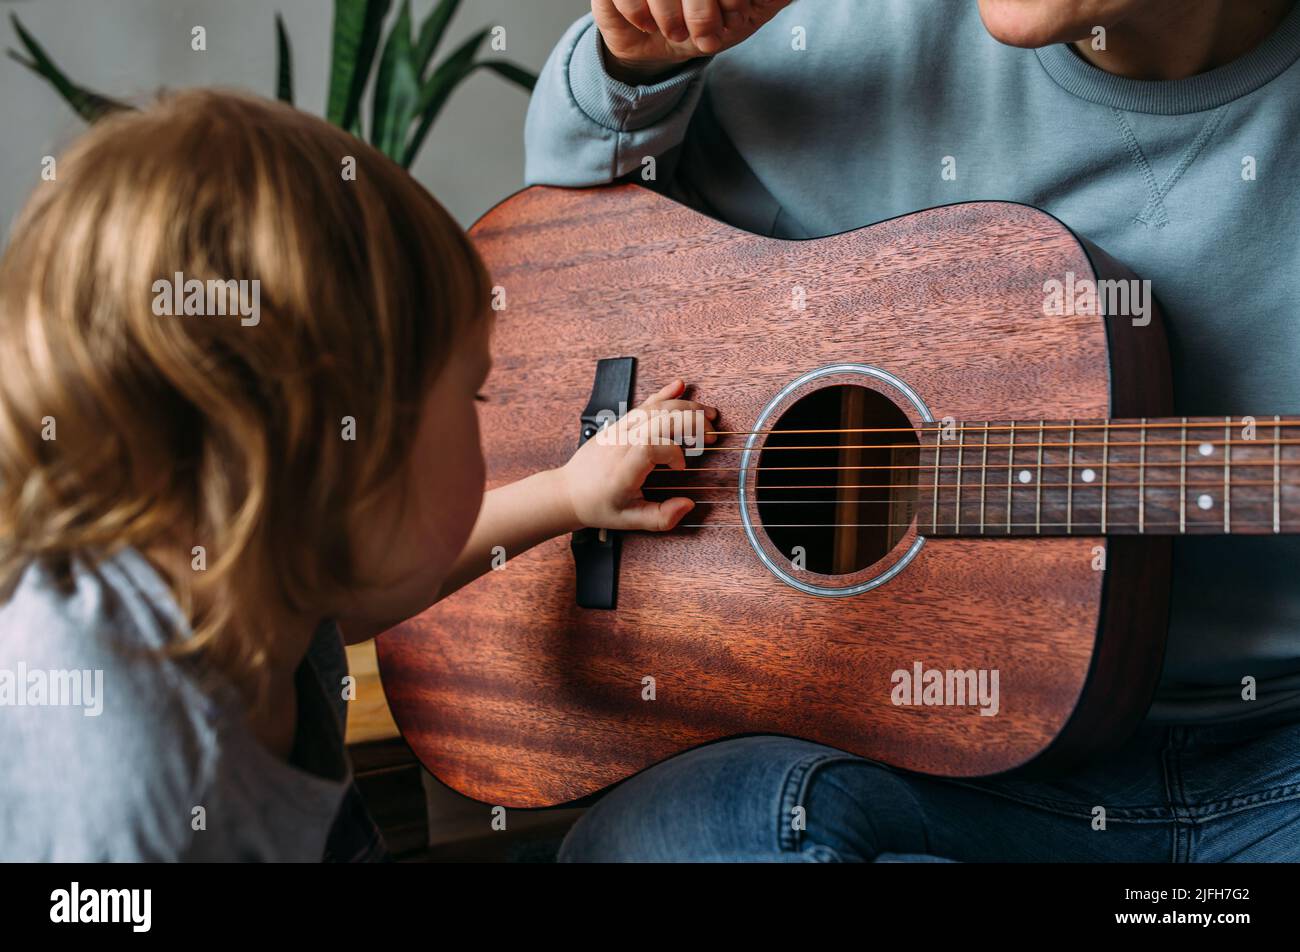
[
  {"x": 397, "y": 89},
  {"x": 89, "y": 105},
  {"x": 508, "y": 70},
  {"x": 450, "y": 75},
  {"x": 357, "y": 27},
  {"x": 453, "y": 78},
  {"x": 450, "y": 71},
  {"x": 431, "y": 32},
  {"x": 436, "y": 90},
  {"x": 284, "y": 63}
]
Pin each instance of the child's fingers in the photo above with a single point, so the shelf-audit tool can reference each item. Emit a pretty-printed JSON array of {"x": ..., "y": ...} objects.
[
  {"x": 657, "y": 516},
  {"x": 686, "y": 406},
  {"x": 636, "y": 465},
  {"x": 662, "y": 454},
  {"x": 665, "y": 425},
  {"x": 674, "y": 388},
  {"x": 676, "y": 420}
]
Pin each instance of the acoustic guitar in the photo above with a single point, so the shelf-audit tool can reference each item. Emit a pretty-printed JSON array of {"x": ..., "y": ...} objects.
[{"x": 935, "y": 530}]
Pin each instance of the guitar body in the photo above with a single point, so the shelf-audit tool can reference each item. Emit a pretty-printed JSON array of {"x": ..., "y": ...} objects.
[{"x": 511, "y": 693}]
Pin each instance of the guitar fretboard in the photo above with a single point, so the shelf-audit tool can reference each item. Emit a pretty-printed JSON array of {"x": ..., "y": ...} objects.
[{"x": 1169, "y": 476}]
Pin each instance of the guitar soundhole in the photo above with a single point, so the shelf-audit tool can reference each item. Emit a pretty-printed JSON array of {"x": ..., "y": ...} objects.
[{"x": 836, "y": 479}]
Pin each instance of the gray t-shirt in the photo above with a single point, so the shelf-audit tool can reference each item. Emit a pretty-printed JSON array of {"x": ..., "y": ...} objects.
[
  {"x": 110, "y": 753},
  {"x": 840, "y": 113}
]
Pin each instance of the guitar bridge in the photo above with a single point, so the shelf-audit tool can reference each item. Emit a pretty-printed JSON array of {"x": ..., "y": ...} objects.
[{"x": 596, "y": 551}]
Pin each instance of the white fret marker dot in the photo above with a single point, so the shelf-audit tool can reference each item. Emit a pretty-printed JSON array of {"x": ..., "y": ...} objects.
[
  {"x": 1206, "y": 449},
  {"x": 1025, "y": 476},
  {"x": 1087, "y": 475},
  {"x": 1204, "y": 501}
]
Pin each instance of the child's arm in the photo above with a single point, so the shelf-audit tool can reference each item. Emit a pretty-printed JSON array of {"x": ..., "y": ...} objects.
[{"x": 599, "y": 487}]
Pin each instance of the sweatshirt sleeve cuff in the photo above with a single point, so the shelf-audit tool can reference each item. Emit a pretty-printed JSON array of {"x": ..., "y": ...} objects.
[{"x": 614, "y": 104}]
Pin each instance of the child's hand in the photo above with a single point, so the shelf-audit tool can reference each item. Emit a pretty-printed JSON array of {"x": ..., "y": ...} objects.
[{"x": 603, "y": 479}]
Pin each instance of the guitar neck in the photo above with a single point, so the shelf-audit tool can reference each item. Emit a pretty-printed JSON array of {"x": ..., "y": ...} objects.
[{"x": 1170, "y": 476}]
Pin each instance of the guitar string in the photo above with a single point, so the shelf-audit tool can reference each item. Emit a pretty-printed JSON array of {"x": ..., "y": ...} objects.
[
  {"x": 965, "y": 467},
  {"x": 1262, "y": 423},
  {"x": 1027, "y": 444},
  {"x": 1000, "y": 526},
  {"x": 966, "y": 503},
  {"x": 994, "y": 529},
  {"x": 1075, "y": 427},
  {"x": 1111, "y": 485}
]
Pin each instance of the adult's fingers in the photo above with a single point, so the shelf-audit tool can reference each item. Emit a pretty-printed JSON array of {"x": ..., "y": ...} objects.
[
  {"x": 637, "y": 12},
  {"x": 670, "y": 19},
  {"x": 704, "y": 21}
]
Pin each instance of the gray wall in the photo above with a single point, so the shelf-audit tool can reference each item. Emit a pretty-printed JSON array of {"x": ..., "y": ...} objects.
[{"x": 130, "y": 48}]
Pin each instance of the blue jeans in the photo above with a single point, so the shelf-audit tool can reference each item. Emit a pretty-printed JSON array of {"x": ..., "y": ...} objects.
[{"x": 1170, "y": 794}]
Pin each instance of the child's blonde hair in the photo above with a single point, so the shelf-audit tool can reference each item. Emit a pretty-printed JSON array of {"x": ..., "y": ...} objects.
[{"x": 121, "y": 426}]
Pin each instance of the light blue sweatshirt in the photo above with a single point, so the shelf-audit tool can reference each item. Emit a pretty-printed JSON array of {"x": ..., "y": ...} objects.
[
  {"x": 112, "y": 754},
  {"x": 1192, "y": 183}
]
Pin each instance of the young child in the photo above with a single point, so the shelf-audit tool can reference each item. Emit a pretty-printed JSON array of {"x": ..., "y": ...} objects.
[{"x": 240, "y": 355}]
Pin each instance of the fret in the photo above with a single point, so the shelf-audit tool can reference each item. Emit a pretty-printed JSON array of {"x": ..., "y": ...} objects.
[
  {"x": 1163, "y": 491},
  {"x": 1011, "y": 480},
  {"x": 984, "y": 476},
  {"x": 1277, "y": 474},
  {"x": 961, "y": 445},
  {"x": 1227, "y": 474},
  {"x": 1038, "y": 497},
  {"x": 1105, "y": 471},
  {"x": 938, "y": 455},
  {"x": 1069, "y": 484},
  {"x": 1182, "y": 479},
  {"x": 1142, "y": 478}
]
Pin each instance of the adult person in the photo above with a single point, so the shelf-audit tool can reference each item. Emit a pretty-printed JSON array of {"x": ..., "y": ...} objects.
[{"x": 1164, "y": 131}]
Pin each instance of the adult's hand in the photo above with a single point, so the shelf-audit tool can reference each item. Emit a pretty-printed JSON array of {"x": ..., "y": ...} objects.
[{"x": 649, "y": 37}]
